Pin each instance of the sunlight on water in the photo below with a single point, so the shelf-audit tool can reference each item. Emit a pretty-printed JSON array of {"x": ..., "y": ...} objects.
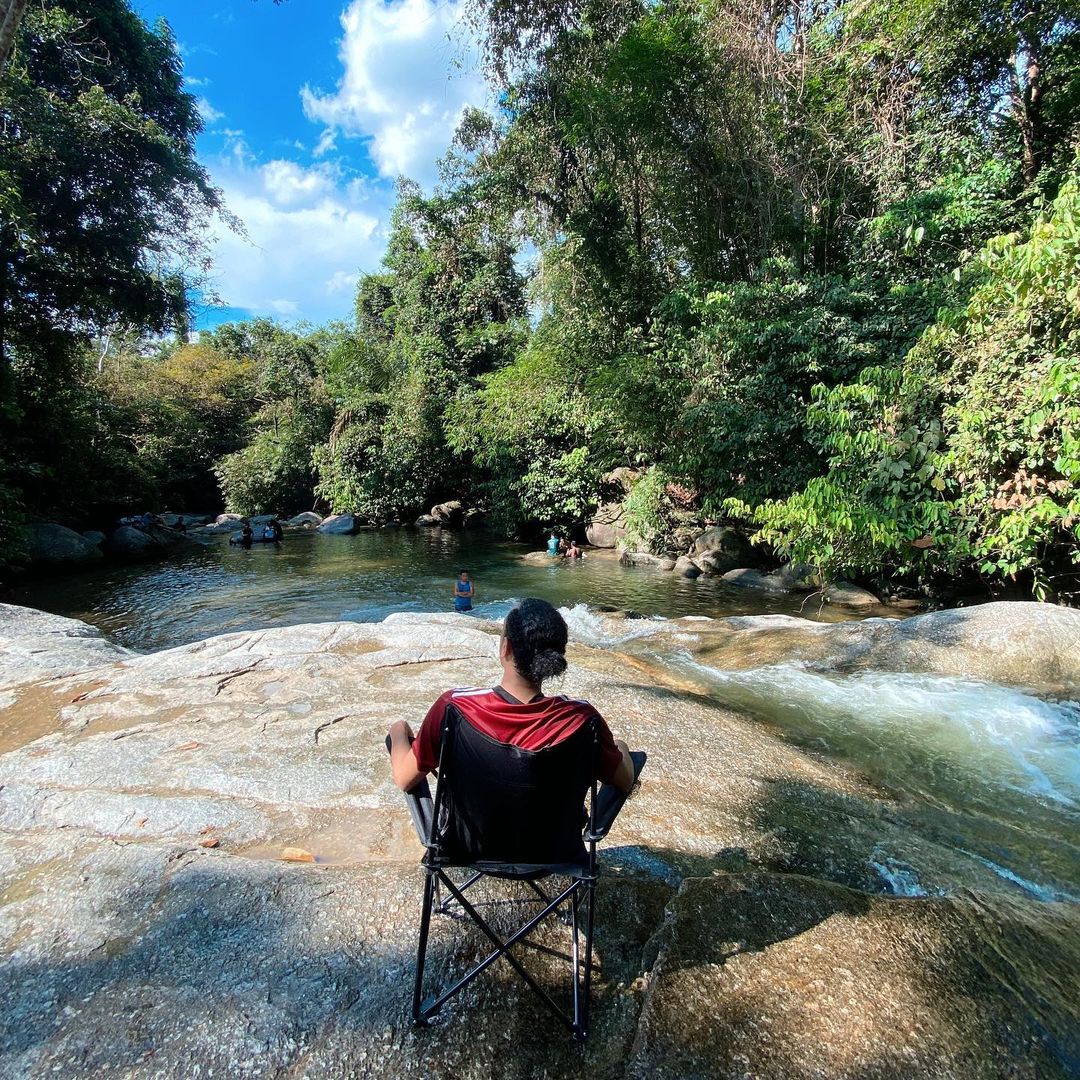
[
  {"x": 590, "y": 628},
  {"x": 364, "y": 578},
  {"x": 992, "y": 734},
  {"x": 990, "y": 771}
]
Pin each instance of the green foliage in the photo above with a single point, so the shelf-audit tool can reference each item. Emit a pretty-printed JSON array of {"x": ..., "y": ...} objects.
[
  {"x": 965, "y": 456},
  {"x": 646, "y": 510},
  {"x": 723, "y": 381},
  {"x": 531, "y": 425},
  {"x": 275, "y": 472},
  {"x": 97, "y": 131},
  {"x": 813, "y": 265},
  {"x": 103, "y": 210},
  {"x": 447, "y": 311}
]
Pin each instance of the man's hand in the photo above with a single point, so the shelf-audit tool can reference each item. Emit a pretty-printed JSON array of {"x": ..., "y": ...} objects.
[
  {"x": 624, "y": 777},
  {"x": 403, "y": 767}
]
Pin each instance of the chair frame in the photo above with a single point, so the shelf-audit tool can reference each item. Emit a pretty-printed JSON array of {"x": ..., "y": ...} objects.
[{"x": 603, "y": 808}]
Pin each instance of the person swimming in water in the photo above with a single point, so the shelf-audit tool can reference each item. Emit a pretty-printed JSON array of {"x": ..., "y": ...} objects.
[{"x": 464, "y": 590}]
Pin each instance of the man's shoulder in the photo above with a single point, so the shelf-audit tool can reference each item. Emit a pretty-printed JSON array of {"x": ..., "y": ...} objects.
[
  {"x": 576, "y": 705},
  {"x": 467, "y": 692}
]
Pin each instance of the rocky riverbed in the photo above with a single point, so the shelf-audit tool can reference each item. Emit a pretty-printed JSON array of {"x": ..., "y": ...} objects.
[{"x": 149, "y": 927}]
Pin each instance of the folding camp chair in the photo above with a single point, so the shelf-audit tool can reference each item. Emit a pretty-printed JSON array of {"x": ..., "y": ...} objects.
[{"x": 503, "y": 812}]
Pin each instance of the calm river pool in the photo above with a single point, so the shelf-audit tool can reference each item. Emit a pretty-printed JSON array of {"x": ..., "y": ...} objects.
[{"x": 317, "y": 578}]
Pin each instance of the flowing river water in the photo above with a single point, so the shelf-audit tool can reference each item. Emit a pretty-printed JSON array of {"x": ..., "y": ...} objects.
[{"x": 990, "y": 773}]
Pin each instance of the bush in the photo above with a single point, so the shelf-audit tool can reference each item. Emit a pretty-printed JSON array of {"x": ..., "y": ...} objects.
[{"x": 965, "y": 457}]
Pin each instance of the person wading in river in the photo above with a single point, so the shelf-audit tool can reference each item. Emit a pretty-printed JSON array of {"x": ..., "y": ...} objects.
[{"x": 464, "y": 591}]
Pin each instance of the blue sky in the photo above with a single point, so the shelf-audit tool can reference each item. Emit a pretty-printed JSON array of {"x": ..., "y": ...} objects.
[{"x": 312, "y": 108}]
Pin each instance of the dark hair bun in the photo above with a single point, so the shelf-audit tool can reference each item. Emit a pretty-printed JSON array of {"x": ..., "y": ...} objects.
[
  {"x": 546, "y": 665},
  {"x": 537, "y": 634}
]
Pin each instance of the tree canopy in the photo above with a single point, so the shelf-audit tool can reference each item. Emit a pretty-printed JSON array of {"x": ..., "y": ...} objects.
[{"x": 809, "y": 266}]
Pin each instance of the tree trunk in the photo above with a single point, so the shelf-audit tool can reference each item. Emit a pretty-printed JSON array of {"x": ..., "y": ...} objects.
[
  {"x": 11, "y": 13},
  {"x": 1028, "y": 90}
]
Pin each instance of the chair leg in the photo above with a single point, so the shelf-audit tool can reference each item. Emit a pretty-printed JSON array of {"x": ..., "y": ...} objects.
[
  {"x": 443, "y": 906},
  {"x": 583, "y": 1026},
  {"x": 574, "y": 961},
  {"x": 421, "y": 948},
  {"x": 502, "y": 949}
]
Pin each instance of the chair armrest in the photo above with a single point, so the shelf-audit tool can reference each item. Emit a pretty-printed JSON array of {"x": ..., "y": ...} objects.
[
  {"x": 421, "y": 805},
  {"x": 610, "y": 800}
]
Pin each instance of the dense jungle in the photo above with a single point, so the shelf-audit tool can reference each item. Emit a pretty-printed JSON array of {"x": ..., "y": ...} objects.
[{"x": 810, "y": 267}]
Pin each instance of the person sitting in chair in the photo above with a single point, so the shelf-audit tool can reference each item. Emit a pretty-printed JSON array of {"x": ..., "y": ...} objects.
[{"x": 532, "y": 649}]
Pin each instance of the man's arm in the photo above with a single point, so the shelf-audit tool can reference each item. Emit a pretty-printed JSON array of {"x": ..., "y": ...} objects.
[{"x": 403, "y": 767}]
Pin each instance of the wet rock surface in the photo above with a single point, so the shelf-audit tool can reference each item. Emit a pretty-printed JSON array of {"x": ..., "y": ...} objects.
[
  {"x": 307, "y": 519},
  {"x": 339, "y": 524},
  {"x": 742, "y": 930},
  {"x": 36, "y": 646},
  {"x": 52, "y": 546},
  {"x": 1012, "y": 643}
]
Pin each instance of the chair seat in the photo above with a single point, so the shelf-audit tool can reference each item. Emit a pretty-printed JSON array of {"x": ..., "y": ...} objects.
[{"x": 578, "y": 869}]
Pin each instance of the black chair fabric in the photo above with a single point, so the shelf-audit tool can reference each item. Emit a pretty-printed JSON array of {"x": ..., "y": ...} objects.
[{"x": 498, "y": 803}]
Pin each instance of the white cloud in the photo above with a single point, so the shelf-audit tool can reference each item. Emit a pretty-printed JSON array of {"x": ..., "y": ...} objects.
[
  {"x": 310, "y": 233},
  {"x": 289, "y": 184},
  {"x": 342, "y": 282},
  {"x": 402, "y": 87},
  {"x": 208, "y": 112},
  {"x": 327, "y": 142}
]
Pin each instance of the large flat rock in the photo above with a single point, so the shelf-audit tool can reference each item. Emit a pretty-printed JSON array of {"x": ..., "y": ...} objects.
[
  {"x": 745, "y": 927},
  {"x": 781, "y": 977},
  {"x": 35, "y": 645}
]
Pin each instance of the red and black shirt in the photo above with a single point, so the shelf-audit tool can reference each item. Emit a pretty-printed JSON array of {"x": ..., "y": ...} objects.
[{"x": 529, "y": 725}]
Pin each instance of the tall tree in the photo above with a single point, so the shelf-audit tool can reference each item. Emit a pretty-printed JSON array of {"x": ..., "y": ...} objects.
[{"x": 103, "y": 210}]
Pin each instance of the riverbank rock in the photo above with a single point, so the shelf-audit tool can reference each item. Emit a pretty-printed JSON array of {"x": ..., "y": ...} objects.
[
  {"x": 53, "y": 547},
  {"x": 607, "y": 527},
  {"x": 743, "y": 928},
  {"x": 339, "y": 524},
  {"x": 150, "y": 542},
  {"x": 785, "y": 579},
  {"x": 171, "y": 520},
  {"x": 95, "y": 536},
  {"x": 645, "y": 558},
  {"x": 848, "y": 595},
  {"x": 746, "y": 578},
  {"x": 1013, "y": 643},
  {"x": 229, "y": 519},
  {"x": 218, "y": 528},
  {"x": 35, "y": 645},
  {"x": 540, "y": 558},
  {"x": 305, "y": 520},
  {"x": 788, "y": 579},
  {"x": 128, "y": 542},
  {"x": 426, "y": 521},
  {"x": 449, "y": 514},
  {"x": 721, "y": 548},
  {"x": 686, "y": 567}
]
